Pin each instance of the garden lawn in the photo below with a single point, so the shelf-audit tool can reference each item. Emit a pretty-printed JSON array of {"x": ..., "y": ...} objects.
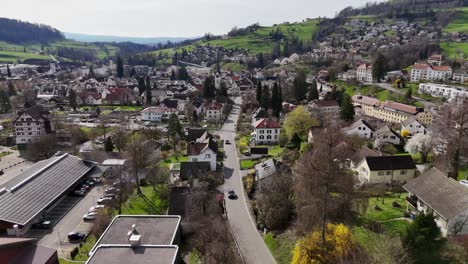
[
  {"x": 153, "y": 205},
  {"x": 388, "y": 212},
  {"x": 463, "y": 173},
  {"x": 248, "y": 164},
  {"x": 172, "y": 159},
  {"x": 281, "y": 246},
  {"x": 5, "y": 153},
  {"x": 84, "y": 249},
  {"x": 453, "y": 48},
  {"x": 459, "y": 23}
]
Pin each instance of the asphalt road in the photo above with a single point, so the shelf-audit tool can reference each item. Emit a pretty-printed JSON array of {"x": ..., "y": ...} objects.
[
  {"x": 72, "y": 221},
  {"x": 242, "y": 224}
]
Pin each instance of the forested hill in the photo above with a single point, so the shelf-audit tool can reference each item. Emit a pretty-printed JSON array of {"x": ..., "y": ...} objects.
[
  {"x": 19, "y": 32},
  {"x": 398, "y": 8}
]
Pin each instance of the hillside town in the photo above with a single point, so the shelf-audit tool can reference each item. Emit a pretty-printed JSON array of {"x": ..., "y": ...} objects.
[{"x": 351, "y": 148}]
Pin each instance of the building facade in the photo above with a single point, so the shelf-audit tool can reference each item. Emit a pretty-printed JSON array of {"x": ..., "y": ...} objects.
[
  {"x": 266, "y": 131},
  {"x": 31, "y": 124},
  {"x": 430, "y": 72},
  {"x": 449, "y": 92},
  {"x": 364, "y": 73}
]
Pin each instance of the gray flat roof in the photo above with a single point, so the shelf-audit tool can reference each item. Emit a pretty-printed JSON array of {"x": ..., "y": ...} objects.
[
  {"x": 154, "y": 230},
  {"x": 145, "y": 254},
  {"x": 28, "y": 194}
]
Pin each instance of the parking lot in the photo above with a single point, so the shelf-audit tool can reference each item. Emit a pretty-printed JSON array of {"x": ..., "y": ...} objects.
[{"x": 69, "y": 218}]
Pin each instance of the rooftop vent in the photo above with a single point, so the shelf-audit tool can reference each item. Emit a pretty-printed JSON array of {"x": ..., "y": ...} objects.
[{"x": 134, "y": 237}]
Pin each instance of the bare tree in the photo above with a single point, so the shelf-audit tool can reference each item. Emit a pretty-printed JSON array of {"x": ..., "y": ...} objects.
[
  {"x": 119, "y": 137},
  {"x": 274, "y": 199},
  {"x": 323, "y": 187},
  {"x": 459, "y": 224},
  {"x": 138, "y": 158},
  {"x": 44, "y": 148},
  {"x": 451, "y": 130}
]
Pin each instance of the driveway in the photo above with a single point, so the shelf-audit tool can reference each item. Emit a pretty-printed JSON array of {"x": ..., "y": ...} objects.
[
  {"x": 242, "y": 224},
  {"x": 71, "y": 221}
]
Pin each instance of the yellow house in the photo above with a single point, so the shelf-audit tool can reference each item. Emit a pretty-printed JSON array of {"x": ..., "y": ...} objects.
[{"x": 386, "y": 169}]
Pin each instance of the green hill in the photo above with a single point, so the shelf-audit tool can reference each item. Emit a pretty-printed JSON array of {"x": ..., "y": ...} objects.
[
  {"x": 459, "y": 23},
  {"x": 257, "y": 41}
]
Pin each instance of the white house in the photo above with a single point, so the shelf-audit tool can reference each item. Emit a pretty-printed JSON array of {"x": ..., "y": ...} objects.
[
  {"x": 413, "y": 126},
  {"x": 31, "y": 124},
  {"x": 213, "y": 112},
  {"x": 364, "y": 73},
  {"x": 266, "y": 131},
  {"x": 434, "y": 192},
  {"x": 460, "y": 76},
  {"x": 429, "y": 72},
  {"x": 449, "y": 92},
  {"x": 360, "y": 128},
  {"x": 386, "y": 135},
  {"x": 386, "y": 169},
  {"x": 326, "y": 106},
  {"x": 156, "y": 114},
  {"x": 203, "y": 152}
]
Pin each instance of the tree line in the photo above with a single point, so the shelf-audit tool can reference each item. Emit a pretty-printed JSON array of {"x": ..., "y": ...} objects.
[{"x": 16, "y": 31}]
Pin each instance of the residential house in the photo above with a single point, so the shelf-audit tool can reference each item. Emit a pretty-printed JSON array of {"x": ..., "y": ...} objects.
[
  {"x": 449, "y": 92},
  {"x": 413, "y": 126},
  {"x": 259, "y": 114},
  {"x": 386, "y": 169},
  {"x": 435, "y": 60},
  {"x": 460, "y": 76},
  {"x": 329, "y": 107},
  {"x": 156, "y": 113},
  {"x": 31, "y": 124},
  {"x": 266, "y": 131},
  {"x": 390, "y": 111},
  {"x": 386, "y": 135},
  {"x": 201, "y": 147},
  {"x": 265, "y": 169},
  {"x": 116, "y": 96},
  {"x": 361, "y": 154},
  {"x": 364, "y": 73},
  {"x": 214, "y": 112},
  {"x": 436, "y": 193},
  {"x": 360, "y": 128},
  {"x": 430, "y": 72},
  {"x": 90, "y": 97}
]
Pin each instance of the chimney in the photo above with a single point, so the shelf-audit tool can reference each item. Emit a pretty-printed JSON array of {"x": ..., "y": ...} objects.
[{"x": 134, "y": 237}]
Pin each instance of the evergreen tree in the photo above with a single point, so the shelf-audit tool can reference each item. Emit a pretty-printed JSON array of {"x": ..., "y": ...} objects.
[
  {"x": 91, "y": 73},
  {"x": 120, "y": 67},
  {"x": 423, "y": 240},
  {"x": 379, "y": 67},
  {"x": 174, "y": 129},
  {"x": 260, "y": 60},
  {"x": 72, "y": 99},
  {"x": 409, "y": 94},
  {"x": 259, "y": 91},
  {"x": 11, "y": 89},
  {"x": 347, "y": 108},
  {"x": 300, "y": 86},
  {"x": 296, "y": 141},
  {"x": 313, "y": 92},
  {"x": 209, "y": 88},
  {"x": 133, "y": 72},
  {"x": 276, "y": 100},
  {"x": 286, "y": 49},
  {"x": 222, "y": 89},
  {"x": 182, "y": 74},
  {"x": 148, "y": 90},
  {"x": 5, "y": 105},
  {"x": 8, "y": 70},
  {"x": 109, "y": 145},
  {"x": 173, "y": 75},
  {"x": 265, "y": 101},
  {"x": 321, "y": 87},
  {"x": 141, "y": 85}
]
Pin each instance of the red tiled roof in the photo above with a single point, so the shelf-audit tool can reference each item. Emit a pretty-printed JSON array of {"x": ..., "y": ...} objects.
[
  {"x": 362, "y": 99},
  {"x": 420, "y": 66},
  {"x": 196, "y": 148},
  {"x": 400, "y": 107},
  {"x": 266, "y": 123},
  {"x": 326, "y": 103},
  {"x": 441, "y": 68},
  {"x": 214, "y": 106},
  {"x": 235, "y": 78}
]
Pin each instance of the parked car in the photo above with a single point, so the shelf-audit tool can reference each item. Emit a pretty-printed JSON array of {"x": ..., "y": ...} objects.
[
  {"x": 90, "y": 216},
  {"x": 1, "y": 172},
  {"x": 76, "y": 236},
  {"x": 464, "y": 182},
  {"x": 104, "y": 200},
  {"x": 96, "y": 208},
  {"x": 79, "y": 193},
  {"x": 109, "y": 195},
  {"x": 89, "y": 182},
  {"x": 232, "y": 195},
  {"x": 84, "y": 186},
  {"x": 43, "y": 225},
  {"x": 227, "y": 142},
  {"x": 111, "y": 190}
]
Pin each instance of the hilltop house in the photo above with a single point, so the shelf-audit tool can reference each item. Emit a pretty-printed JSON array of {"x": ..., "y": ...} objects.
[
  {"x": 364, "y": 73},
  {"x": 434, "y": 192},
  {"x": 266, "y": 131},
  {"x": 201, "y": 147},
  {"x": 31, "y": 124},
  {"x": 360, "y": 128},
  {"x": 429, "y": 72},
  {"x": 386, "y": 169},
  {"x": 386, "y": 135}
]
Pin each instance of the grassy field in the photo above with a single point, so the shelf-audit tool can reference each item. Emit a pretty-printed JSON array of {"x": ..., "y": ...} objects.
[
  {"x": 459, "y": 22},
  {"x": 257, "y": 41},
  {"x": 169, "y": 161},
  {"x": 233, "y": 66},
  {"x": 15, "y": 56},
  {"x": 248, "y": 164},
  {"x": 463, "y": 173},
  {"x": 281, "y": 246},
  {"x": 152, "y": 205},
  {"x": 453, "y": 50}
]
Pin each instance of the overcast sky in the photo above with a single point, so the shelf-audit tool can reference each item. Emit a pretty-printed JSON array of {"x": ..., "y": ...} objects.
[{"x": 172, "y": 18}]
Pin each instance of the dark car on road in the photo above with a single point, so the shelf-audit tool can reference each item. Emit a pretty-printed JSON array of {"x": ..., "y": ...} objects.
[
  {"x": 232, "y": 195},
  {"x": 227, "y": 142},
  {"x": 76, "y": 236}
]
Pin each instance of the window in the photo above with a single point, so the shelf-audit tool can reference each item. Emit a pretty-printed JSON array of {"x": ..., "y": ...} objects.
[
  {"x": 268, "y": 131},
  {"x": 261, "y": 131},
  {"x": 261, "y": 137},
  {"x": 381, "y": 173},
  {"x": 268, "y": 137},
  {"x": 207, "y": 156},
  {"x": 403, "y": 172},
  {"x": 389, "y": 172}
]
